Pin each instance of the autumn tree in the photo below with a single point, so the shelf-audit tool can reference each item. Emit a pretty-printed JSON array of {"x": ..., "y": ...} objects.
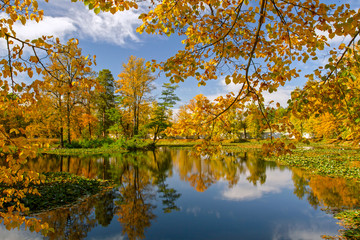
[
  {"x": 134, "y": 85},
  {"x": 12, "y": 118},
  {"x": 22, "y": 57},
  {"x": 86, "y": 109},
  {"x": 254, "y": 121},
  {"x": 330, "y": 107},
  {"x": 238, "y": 124},
  {"x": 195, "y": 118},
  {"x": 41, "y": 119},
  {"x": 69, "y": 82}
]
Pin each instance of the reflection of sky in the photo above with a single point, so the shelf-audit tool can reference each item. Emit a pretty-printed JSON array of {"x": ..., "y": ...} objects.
[
  {"x": 303, "y": 231},
  {"x": 276, "y": 181},
  {"x": 116, "y": 237},
  {"x": 17, "y": 234},
  {"x": 268, "y": 211}
]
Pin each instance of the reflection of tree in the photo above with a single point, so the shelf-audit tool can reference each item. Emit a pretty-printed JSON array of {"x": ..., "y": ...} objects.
[
  {"x": 135, "y": 209},
  {"x": 257, "y": 169},
  {"x": 200, "y": 181},
  {"x": 138, "y": 174},
  {"x": 85, "y": 166},
  {"x": 203, "y": 171},
  {"x": 169, "y": 196},
  {"x": 162, "y": 164},
  {"x": 71, "y": 223},
  {"x": 326, "y": 192},
  {"x": 105, "y": 208}
]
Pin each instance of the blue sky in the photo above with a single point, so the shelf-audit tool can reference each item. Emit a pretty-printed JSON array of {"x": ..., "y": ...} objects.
[{"x": 113, "y": 38}]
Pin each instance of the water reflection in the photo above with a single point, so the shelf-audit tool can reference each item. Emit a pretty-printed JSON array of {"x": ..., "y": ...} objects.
[
  {"x": 320, "y": 191},
  {"x": 75, "y": 222},
  {"x": 148, "y": 189}
]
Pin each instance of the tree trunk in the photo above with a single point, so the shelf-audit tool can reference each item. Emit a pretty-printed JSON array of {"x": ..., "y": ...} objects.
[
  {"x": 61, "y": 162},
  {"x": 103, "y": 123},
  {"x": 89, "y": 125},
  {"x": 136, "y": 127},
  {"x": 68, "y": 128},
  {"x": 61, "y": 136},
  {"x": 68, "y": 118},
  {"x": 61, "y": 124}
]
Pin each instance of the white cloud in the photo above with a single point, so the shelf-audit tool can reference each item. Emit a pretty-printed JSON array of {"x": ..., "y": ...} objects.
[
  {"x": 282, "y": 95},
  {"x": 49, "y": 26},
  {"x": 275, "y": 182},
  {"x": 118, "y": 29},
  {"x": 105, "y": 27},
  {"x": 75, "y": 20}
]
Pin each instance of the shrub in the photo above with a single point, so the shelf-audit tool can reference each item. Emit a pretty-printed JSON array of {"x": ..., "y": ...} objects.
[{"x": 90, "y": 143}]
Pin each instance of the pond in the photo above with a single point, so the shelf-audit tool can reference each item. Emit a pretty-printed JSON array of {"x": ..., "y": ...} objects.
[{"x": 176, "y": 194}]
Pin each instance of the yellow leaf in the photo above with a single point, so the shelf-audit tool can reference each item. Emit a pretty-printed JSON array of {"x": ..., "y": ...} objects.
[{"x": 342, "y": 46}]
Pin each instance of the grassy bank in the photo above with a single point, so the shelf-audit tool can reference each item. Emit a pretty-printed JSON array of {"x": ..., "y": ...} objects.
[
  {"x": 99, "y": 146},
  {"x": 59, "y": 189},
  {"x": 81, "y": 151}
]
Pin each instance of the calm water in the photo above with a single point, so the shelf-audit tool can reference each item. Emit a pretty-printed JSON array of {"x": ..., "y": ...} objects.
[{"x": 173, "y": 194}]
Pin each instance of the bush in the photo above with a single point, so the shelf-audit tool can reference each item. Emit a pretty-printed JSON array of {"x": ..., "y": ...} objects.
[
  {"x": 90, "y": 143},
  {"x": 132, "y": 144},
  {"x": 73, "y": 144}
]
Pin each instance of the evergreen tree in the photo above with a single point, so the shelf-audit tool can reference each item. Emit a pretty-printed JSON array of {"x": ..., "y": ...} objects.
[
  {"x": 105, "y": 100},
  {"x": 160, "y": 120}
]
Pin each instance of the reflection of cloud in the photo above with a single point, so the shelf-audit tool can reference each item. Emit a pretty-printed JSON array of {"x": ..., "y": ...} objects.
[
  {"x": 216, "y": 213},
  {"x": 195, "y": 211},
  {"x": 16, "y": 234},
  {"x": 116, "y": 237},
  {"x": 299, "y": 234},
  {"x": 275, "y": 182},
  {"x": 313, "y": 230}
]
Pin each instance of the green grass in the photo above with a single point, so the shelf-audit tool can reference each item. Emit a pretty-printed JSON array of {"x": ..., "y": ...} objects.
[
  {"x": 59, "y": 189},
  {"x": 350, "y": 219},
  {"x": 326, "y": 162},
  {"x": 81, "y": 151}
]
